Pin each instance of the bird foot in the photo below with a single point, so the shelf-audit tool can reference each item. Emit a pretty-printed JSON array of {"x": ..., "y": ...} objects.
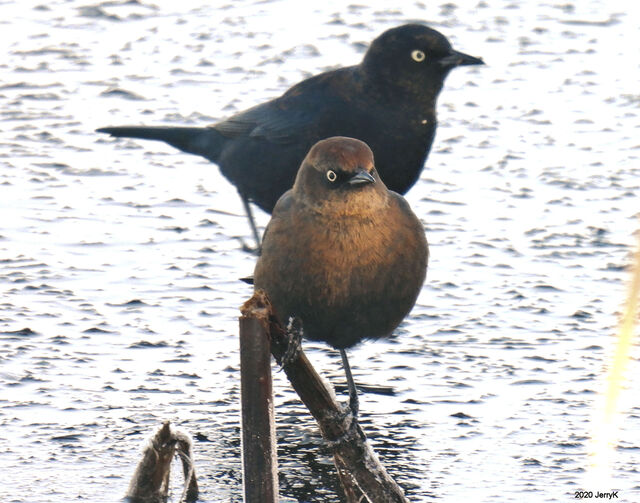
[
  {"x": 294, "y": 342},
  {"x": 349, "y": 424}
]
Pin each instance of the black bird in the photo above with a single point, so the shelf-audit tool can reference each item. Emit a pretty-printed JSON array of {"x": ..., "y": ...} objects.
[
  {"x": 342, "y": 254},
  {"x": 387, "y": 101}
]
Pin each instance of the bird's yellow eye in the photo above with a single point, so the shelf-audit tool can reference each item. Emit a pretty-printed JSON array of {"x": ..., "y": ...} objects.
[
  {"x": 418, "y": 56},
  {"x": 331, "y": 175}
]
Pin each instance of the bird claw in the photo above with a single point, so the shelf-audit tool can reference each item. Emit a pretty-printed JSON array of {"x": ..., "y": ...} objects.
[{"x": 294, "y": 342}]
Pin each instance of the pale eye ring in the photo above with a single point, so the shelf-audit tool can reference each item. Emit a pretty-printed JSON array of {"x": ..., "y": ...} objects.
[
  {"x": 418, "y": 56},
  {"x": 331, "y": 175}
]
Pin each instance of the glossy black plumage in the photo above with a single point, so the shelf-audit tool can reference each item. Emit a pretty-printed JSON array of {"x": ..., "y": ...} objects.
[{"x": 387, "y": 101}]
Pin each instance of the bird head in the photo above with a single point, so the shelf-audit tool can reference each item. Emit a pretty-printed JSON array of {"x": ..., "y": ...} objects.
[
  {"x": 339, "y": 172},
  {"x": 413, "y": 57}
]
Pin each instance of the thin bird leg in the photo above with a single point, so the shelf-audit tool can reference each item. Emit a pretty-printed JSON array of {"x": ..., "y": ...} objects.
[
  {"x": 354, "y": 404},
  {"x": 252, "y": 222}
]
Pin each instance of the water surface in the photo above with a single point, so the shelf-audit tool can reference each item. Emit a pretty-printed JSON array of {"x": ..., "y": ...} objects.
[{"x": 119, "y": 260}]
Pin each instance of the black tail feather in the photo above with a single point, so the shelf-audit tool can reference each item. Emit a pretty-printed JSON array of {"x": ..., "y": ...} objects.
[{"x": 203, "y": 141}]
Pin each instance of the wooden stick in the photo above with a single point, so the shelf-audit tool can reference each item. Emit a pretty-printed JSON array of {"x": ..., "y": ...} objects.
[
  {"x": 259, "y": 456},
  {"x": 362, "y": 476}
]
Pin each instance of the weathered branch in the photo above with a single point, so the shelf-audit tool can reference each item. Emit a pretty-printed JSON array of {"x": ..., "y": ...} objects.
[
  {"x": 362, "y": 476},
  {"x": 150, "y": 481},
  {"x": 184, "y": 450}
]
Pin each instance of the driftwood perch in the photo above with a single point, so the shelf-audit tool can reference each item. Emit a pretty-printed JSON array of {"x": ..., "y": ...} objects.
[
  {"x": 362, "y": 476},
  {"x": 150, "y": 481}
]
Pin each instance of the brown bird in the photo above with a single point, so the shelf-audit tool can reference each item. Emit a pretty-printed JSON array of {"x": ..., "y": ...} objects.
[{"x": 342, "y": 253}]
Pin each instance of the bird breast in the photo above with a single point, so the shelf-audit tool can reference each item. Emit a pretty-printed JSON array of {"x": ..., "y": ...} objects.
[{"x": 346, "y": 278}]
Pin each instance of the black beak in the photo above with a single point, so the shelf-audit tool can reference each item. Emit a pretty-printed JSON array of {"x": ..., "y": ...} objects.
[
  {"x": 455, "y": 58},
  {"x": 361, "y": 176}
]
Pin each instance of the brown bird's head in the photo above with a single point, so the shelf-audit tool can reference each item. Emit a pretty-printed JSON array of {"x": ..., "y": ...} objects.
[
  {"x": 413, "y": 57},
  {"x": 338, "y": 175}
]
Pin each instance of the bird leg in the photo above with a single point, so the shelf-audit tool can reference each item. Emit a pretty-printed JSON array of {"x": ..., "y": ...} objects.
[
  {"x": 354, "y": 404},
  {"x": 294, "y": 341},
  {"x": 252, "y": 223}
]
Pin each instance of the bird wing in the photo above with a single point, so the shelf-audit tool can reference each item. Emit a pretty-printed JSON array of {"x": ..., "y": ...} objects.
[
  {"x": 287, "y": 118},
  {"x": 280, "y": 210},
  {"x": 268, "y": 121},
  {"x": 284, "y": 125}
]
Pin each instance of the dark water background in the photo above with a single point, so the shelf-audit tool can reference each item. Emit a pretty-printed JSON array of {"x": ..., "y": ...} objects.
[{"x": 119, "y": 259}]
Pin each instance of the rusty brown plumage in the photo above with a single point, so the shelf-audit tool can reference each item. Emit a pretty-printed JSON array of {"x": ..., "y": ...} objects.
[{"x": 342, "y": 253}]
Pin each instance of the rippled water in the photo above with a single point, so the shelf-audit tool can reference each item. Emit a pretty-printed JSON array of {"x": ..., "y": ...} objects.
[{"x": 120, "y": 259}]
